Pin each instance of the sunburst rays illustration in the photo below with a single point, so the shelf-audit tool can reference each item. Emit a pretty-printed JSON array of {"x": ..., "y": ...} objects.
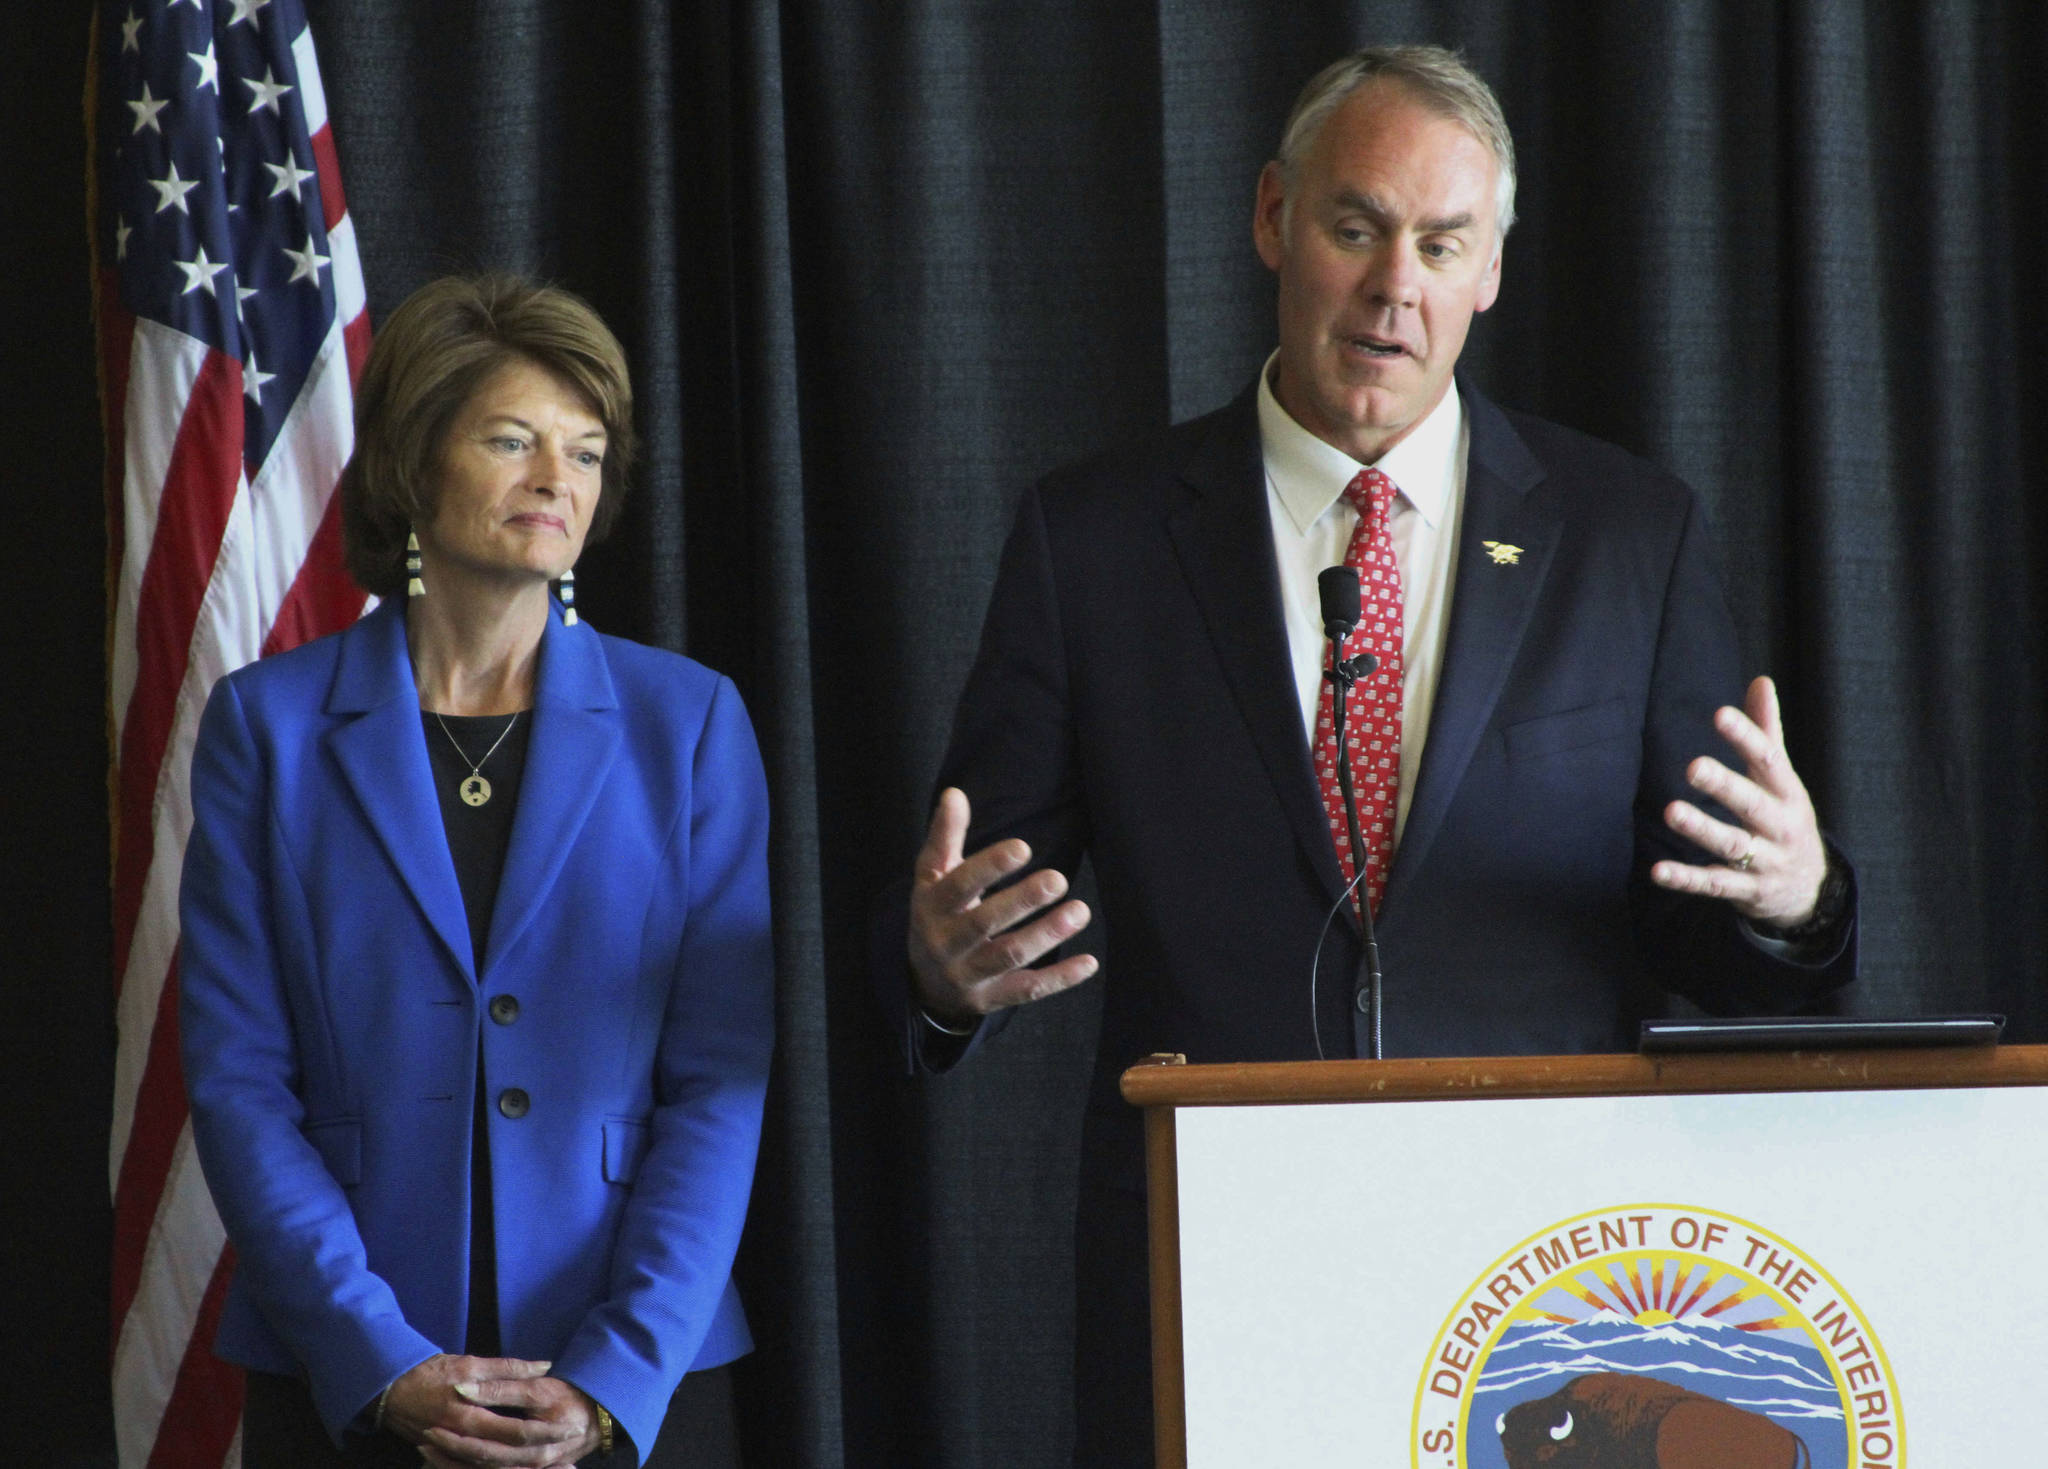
[{"x": 1662, "y": 1288}]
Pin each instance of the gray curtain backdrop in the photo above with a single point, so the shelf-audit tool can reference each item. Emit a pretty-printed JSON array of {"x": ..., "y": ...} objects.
[{"x": 879, "y": 265}]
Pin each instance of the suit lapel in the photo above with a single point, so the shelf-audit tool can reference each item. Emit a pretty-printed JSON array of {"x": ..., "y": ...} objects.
[
  {"x": 1491, "y": 604},
  {"x": 575, "y": 737},
  {"x": 1224, "y": 539},
  {"x": 383, "y": 759}
]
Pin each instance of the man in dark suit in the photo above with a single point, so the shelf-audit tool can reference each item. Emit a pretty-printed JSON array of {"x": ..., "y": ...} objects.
[{"x": 1555, "y": 668}]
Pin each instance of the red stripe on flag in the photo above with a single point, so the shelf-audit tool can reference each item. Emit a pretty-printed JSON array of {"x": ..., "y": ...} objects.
[
  {"x": 146, "y": 1165},
  {"x": 192, "y": 515},
  {"x": 206, "y": 1400},
  {"x": 357, "y": 337},
  {"x": 322, "y": 598},
  {"x": 117, "y": 346},
  {"x": 327, "y": 163}
]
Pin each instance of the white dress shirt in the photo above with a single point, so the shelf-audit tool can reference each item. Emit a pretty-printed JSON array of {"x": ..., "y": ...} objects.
[{"x": 1312, "y": 525}]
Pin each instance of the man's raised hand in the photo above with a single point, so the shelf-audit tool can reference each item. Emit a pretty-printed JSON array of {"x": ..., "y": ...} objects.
[
  {"x": 1772, "y": 864},
  {"x": 970, "y": 948}
]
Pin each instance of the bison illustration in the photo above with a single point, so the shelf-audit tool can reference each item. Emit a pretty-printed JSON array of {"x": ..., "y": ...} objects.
[{"x": 1609, "y": 1420}]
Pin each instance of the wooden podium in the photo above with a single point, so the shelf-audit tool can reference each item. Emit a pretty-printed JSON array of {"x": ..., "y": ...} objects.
[{"x": 1442, "y": 1262}]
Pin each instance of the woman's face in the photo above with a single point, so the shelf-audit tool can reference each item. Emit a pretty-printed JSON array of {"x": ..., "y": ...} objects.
[{"x": 520, "y": 475}]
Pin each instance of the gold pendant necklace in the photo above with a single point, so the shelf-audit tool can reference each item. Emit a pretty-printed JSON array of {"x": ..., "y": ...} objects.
[{"x": 475, "y": 790}]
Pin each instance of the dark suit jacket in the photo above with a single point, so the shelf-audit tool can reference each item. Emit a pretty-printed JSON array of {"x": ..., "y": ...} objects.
[
  {"x": 1133, "y": 698},
  {"x": 333, "y": 1013}
]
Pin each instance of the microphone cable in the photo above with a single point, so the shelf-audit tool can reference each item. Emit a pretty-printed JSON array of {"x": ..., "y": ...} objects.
[{"x": 1338, "y": 589}]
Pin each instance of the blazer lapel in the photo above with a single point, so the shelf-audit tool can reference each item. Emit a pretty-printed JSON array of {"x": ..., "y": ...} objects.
[
  {"x": 383, "y": 758},
  {"x": 575, "y": 737},
  {"x": 1491, "y": 604},
  {"x": 1224, "y": 539}
]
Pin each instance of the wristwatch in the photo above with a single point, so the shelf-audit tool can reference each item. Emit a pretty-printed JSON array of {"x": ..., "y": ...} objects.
[{"x": 1828, "y": 908}]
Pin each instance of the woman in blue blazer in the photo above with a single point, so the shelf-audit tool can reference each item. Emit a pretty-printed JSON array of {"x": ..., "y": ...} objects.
[{"x": 476, "y": 975}]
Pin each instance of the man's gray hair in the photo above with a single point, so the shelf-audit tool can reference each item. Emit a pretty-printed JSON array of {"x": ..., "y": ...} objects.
[{"x": 1438, "y": 79}]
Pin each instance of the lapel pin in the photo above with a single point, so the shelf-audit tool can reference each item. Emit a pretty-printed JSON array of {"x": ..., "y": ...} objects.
[{"x": 1502, "y": 553}]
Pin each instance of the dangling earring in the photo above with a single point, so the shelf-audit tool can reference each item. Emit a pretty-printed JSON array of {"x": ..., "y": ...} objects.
[
  {"x": 414, "y": 587},
  {"x": 568, "y": 587}
]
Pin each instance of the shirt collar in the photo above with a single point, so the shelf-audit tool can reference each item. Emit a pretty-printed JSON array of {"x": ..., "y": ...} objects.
[{"x": 1309, "y": 475}]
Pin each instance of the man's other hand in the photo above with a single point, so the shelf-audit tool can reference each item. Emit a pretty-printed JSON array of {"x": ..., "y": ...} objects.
[
  {"x": 970, "y": 949},
  {"x": 1771, "y": 865}
]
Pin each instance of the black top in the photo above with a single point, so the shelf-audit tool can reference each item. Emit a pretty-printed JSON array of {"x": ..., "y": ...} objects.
[
  {"x": 477, "y": 838},
  {"x": 477, "y": 835}
]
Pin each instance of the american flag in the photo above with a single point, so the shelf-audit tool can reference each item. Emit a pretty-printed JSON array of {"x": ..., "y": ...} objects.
[{"x": 231, "y": 326}]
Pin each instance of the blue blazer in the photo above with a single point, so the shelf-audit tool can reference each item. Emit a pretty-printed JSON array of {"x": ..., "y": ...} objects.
[{"x": 331, "y": 1016}]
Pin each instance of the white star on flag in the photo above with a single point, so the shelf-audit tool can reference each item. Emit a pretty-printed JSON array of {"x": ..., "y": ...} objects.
[
  {"x": 199, "y": 273},
  {"x": 131, "y": 33},
  {"x": 267, "y": 92},
  {"x": 171, "y": 192},
  {"x": 289, "y": 176},
  {"x": 122, "y": 230},
  {"x": 209, "y": 69},
  {"x": 245, "y": 10},
  {"x": 253, "y": 379},
  {"x": 306, "y": 263},
  {"x": 146, "y": 110}
]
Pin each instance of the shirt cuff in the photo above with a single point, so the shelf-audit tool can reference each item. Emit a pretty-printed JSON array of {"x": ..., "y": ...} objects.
[{"x": 960, "y": 1033}]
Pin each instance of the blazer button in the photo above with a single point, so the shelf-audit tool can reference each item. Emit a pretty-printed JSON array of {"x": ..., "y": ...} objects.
[
  {"x": 513, "y": 1102},
  {"x": 504, "y": 1009}
]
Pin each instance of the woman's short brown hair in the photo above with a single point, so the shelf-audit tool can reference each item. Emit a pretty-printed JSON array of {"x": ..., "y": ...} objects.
[{"x": 433, "y": 353}]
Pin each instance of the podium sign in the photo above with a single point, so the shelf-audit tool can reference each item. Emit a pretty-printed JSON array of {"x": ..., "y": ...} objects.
[{"x": 1767, "y": 1261}]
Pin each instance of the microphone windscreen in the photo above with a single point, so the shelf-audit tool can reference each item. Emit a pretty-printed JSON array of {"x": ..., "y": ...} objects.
[{"x": 1339, "y": 588}]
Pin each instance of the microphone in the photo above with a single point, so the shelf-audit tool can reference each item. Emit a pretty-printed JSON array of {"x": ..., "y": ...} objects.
[{"x": 1337, "y": 587}]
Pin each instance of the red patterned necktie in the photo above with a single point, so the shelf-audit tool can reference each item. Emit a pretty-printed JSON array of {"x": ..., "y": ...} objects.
[{"x": 1373, "y": 720}]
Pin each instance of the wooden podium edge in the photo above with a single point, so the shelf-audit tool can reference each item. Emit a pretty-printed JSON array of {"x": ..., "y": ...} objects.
[
  {"x": 1151, "y": 1084},
  {"x": 1162, "y": 1224}
]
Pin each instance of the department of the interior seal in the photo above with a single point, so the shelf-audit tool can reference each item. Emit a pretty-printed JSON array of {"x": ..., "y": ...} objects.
[{"x": 1647, "y": 1336}]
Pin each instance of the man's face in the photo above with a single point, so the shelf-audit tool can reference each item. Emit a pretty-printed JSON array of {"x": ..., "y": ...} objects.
[{"x": 1385, "y": 246}]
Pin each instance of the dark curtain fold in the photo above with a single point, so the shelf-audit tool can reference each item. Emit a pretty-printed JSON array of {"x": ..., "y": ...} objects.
[{"x": 878, "y": 266}]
